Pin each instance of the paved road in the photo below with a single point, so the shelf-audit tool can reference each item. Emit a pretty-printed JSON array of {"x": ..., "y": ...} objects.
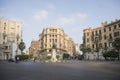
[{"x": 71, "y": 70}]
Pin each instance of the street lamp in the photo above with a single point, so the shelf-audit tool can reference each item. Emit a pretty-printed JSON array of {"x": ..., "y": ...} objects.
[{"x": 97, "y": 48}]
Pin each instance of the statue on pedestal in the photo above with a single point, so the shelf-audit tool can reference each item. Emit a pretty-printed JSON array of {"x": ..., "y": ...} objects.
[{"x": 54, "y": 59}]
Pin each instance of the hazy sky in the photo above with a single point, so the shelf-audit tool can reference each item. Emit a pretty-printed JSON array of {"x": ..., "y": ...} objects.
[{"x": 71, "y": 15}]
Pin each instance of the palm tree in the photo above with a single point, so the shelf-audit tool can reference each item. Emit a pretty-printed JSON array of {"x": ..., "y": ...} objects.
[
  {"x": 21, "y": 46},
  {"x": 116, "y": 45}
]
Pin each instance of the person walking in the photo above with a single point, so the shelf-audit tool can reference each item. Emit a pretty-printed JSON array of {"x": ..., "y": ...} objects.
[
  {"x": 35, "y": 58},
  {"x": 15, "y": 59}
]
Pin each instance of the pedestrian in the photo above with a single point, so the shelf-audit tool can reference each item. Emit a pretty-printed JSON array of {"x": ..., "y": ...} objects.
[
  {"x": 35, "y": 59},
  {"x": 15, "y": 59}
]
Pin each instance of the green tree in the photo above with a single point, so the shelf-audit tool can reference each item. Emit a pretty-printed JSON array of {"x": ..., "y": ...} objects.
[
  {"x": 110, "y": 55},
  {"x": 116, "y": 45},
  {"x": 88, "y": 49},
  {"x": 105, "y": 54},
  {"x": 84, "y": 49},
  {"x": 21, "y": 46}
]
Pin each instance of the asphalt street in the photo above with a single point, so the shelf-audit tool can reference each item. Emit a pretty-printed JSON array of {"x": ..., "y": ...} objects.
[{"x": 70, "y": 70}]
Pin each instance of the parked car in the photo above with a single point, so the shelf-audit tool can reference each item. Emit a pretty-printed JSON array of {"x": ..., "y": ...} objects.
[{"x": 11, "y": 60}]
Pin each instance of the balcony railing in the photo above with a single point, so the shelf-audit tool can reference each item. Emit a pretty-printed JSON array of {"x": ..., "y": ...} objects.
[{"x": 6, "y": 50}]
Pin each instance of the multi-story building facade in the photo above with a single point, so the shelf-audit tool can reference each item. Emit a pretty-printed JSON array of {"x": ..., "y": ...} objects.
[
  {"x": 101, "y": 38},
  {"x": 33, "y": 49},
  {"x": 10, "y": 36},
  {"x": 55, "y": 35}
]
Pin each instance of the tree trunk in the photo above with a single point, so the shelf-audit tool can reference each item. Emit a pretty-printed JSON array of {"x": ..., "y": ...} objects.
[{"x": 83, "y": 56}]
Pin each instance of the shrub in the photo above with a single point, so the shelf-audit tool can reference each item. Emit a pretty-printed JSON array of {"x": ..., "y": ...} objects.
[
  {"x": 57, "y": 56},
  {"x": 79, "y": 57},
  {"x": 113, "y": 54},
  {"x": 48, "y": 57},
  {"x": 110, "y": 54},
  {"x": 22, "y": 57},
  {"x": 66, "y": 56}
]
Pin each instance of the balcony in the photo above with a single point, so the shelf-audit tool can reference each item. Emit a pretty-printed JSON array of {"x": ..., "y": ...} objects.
[{"x": 7, "y": 51}]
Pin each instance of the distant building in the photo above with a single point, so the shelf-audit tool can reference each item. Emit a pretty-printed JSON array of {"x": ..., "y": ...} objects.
[
  {"x": 33, "y": 50},
  {"x": 101, "y": 38},
  {"x": 76, "y": 51},
  {"x": 55, "y": 35},
  {"x": 10, "y": 37}
]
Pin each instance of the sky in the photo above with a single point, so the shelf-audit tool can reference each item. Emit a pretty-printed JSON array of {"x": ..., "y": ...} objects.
[{"x": 71, "y": 15}]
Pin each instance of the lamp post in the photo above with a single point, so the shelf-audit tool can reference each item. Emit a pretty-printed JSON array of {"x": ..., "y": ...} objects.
[
  {"x": 97, "y": 48},
  {"x": 60, "y": 51}
]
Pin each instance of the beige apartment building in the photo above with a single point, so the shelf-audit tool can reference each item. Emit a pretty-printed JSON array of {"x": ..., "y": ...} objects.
[
  {"x": 34, "y": 47},
  {"x": 10, "y": 37},
  {"x": 101, "y": 38},
  {"x": 55, "y": 35}
]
